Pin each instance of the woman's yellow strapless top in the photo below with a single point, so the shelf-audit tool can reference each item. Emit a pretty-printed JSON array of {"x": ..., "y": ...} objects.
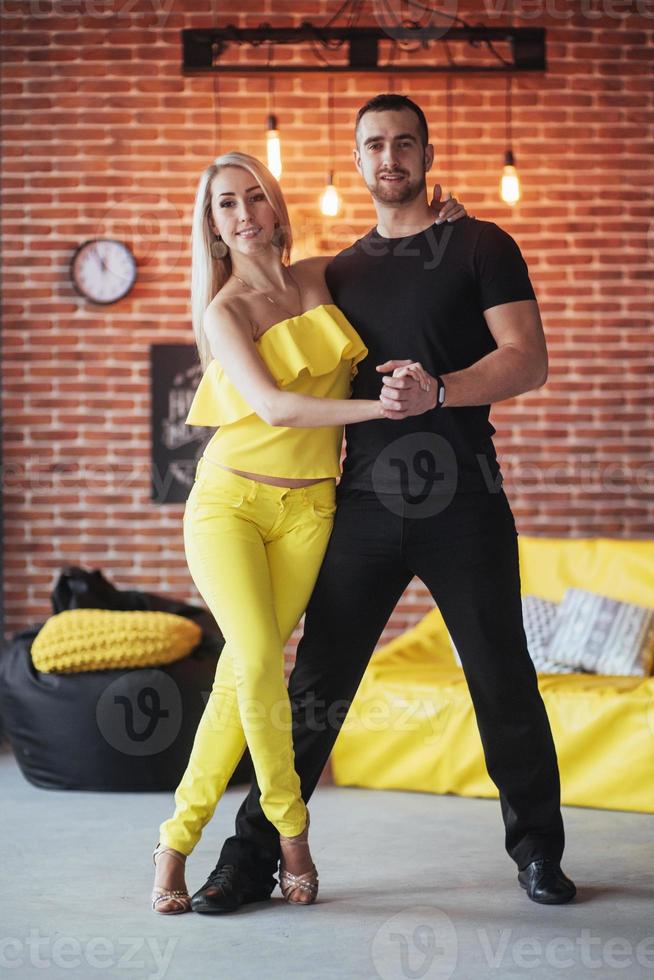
[{"x": 314, "y": 353}]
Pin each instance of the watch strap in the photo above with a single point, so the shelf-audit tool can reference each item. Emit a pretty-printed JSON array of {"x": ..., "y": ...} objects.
[{"x": 440, "y": 393}]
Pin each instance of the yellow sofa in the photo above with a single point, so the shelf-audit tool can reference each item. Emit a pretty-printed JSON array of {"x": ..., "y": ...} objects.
[{"x": 412, "y": 724}]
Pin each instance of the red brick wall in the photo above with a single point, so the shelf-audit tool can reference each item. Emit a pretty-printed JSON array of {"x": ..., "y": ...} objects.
[{"x": 104, "y": 136}]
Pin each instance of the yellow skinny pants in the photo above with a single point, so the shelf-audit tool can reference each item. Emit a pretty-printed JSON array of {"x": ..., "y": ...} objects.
[{"x": 254, "y": 551}]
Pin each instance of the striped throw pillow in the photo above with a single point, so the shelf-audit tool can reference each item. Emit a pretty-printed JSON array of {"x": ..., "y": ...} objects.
[{"x": 595, "y": 633}]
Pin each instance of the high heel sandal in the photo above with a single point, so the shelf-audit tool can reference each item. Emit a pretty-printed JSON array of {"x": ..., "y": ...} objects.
[
  {"x": 181, "y": 898},
  {"x": 307, "y": 882}
]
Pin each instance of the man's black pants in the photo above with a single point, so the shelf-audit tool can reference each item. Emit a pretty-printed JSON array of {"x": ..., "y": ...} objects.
[{"x": 467, "y": 555}]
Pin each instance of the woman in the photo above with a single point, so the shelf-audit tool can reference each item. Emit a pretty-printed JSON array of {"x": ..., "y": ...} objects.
[{"x": 278, "y": 358}]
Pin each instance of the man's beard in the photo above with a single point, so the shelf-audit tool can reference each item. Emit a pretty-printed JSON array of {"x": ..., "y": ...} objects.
[{"x": 401, "y": 193}]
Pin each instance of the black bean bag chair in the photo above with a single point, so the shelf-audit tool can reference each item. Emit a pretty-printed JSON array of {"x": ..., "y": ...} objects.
[{"x": 128, "y": 730}]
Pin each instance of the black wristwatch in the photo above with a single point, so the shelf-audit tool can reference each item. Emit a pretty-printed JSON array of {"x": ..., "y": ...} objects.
[{"x": 440, "y": 394}]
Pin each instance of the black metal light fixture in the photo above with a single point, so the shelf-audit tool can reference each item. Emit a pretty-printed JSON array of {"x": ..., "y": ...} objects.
[{"x": 367, "y": 49}]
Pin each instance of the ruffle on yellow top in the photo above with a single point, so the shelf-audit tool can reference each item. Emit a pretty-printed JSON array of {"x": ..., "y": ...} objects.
[{"x": 316, "y": 341}]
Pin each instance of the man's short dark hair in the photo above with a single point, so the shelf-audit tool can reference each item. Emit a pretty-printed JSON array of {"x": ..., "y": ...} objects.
[{"x": 393, "y": 102}]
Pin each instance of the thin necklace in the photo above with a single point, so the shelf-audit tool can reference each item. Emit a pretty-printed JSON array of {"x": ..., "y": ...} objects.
[{"x": 269, "y": 298}]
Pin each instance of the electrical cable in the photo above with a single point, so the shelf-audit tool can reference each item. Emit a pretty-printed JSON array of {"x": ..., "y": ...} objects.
[
  {"x": 353, "y": 9},
  {"x": 424, "y": 8}
]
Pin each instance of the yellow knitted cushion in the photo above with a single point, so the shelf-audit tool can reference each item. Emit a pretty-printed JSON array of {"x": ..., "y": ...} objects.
[{"x": 104, "y": 639}]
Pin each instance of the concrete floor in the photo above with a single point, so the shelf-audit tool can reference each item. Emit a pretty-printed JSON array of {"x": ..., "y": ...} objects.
[{"x": 412, "y": 886}]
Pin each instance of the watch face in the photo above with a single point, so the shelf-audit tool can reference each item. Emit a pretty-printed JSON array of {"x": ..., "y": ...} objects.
[{"x": 103, "y": 270}]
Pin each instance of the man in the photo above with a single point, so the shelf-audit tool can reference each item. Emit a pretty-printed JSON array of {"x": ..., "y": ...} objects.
[{"x": 421, "y": 494}]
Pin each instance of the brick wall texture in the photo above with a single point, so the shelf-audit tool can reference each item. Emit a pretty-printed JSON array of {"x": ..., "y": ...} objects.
[{"x": 104, "y": 136}]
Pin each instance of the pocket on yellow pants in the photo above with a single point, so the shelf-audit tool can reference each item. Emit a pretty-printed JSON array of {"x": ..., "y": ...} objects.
[
  {"x": 212, "y": 499},
  {"x": 323, "y": 510},
  {"x": 219, "y": 497}
]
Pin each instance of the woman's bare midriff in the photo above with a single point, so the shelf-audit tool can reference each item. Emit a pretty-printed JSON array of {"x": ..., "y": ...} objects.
[{"x": 275, "y": 481}]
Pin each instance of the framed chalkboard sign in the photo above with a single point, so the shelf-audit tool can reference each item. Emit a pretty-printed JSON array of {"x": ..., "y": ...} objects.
[{"x": 175, "y": 373}]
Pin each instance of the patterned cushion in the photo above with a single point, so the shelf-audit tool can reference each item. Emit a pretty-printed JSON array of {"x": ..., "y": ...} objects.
[
  {"x": 593, "y": 632},
  {"x": 108, "y": 639},
  {"x": 538, "y": 616}
]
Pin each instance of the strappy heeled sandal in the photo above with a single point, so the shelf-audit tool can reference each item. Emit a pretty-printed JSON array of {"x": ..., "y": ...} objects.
[
  {"x": 182, "y": 899},
  {"x": 306, "y": 882}
]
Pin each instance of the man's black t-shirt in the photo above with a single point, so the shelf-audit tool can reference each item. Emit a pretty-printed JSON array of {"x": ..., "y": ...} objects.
[{"x": 423, "y": 297}]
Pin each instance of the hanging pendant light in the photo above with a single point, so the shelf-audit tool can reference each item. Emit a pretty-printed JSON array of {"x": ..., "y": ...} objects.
[
  {"x": 330, "y": 201},
  {"x": 273, "y": 142},
  {"x": 274, "y": 147},
  {"x": 509, "y": 181}
]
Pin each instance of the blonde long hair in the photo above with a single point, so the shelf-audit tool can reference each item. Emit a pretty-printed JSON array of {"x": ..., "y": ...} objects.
[{"x": 209, "y": 274}]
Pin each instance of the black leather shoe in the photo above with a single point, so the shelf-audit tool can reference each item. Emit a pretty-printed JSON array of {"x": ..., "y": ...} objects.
[
  {"x": 546, "y": 883},
  {"x": 225, "y": 890}
]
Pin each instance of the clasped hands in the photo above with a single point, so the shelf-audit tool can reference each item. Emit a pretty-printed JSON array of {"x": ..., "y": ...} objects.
[{"x": 409, "y": 390}]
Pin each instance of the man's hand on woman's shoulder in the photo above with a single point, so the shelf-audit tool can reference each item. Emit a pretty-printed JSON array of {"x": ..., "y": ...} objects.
[{"x": 449, "y": 210}]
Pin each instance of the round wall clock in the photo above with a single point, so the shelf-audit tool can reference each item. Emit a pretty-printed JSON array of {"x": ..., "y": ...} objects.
[{"x": 103, "y": 270}]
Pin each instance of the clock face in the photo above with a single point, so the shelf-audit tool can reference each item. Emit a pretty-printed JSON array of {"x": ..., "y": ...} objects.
[{"x": 103, "y": 270}]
